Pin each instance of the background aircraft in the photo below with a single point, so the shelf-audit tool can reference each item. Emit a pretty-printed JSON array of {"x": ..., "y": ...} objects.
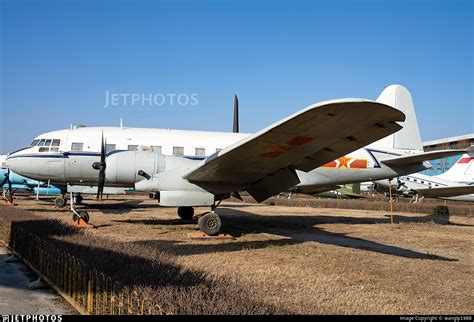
[
  {"x": 462, "y": 171},
  {"x": 450, "y": 185}
]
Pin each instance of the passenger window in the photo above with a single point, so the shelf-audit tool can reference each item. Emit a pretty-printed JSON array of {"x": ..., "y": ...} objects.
[
  {"x": 110, "y": 147},
  {"x": 44, "y": 149},
  {"x": 156, "y": 148},
  {"x": 56, "y": 142},
  {"x": 200, "y": 152},
  {"x": 77, "y": 146},
  {"x": 47, "y": 143},
  {"x": 178, "y": 150},
  {"x": 132, "y": 147},
  {"x": 41, "y": 142},
  {"x": 56, "y": 149}
]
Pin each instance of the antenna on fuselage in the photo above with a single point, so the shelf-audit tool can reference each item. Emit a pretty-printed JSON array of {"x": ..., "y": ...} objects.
[
  {"x": 121, "y": 124},
  {"x": 235, "y": 128}
]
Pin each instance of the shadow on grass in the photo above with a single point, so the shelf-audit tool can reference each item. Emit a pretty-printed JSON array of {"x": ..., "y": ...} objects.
[
  {"x": 154, "y": 274},
  {"x": 294, "y": 230}
]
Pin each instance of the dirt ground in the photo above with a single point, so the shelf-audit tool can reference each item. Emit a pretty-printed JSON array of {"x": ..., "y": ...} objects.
[{"x": 308, "y": 260}]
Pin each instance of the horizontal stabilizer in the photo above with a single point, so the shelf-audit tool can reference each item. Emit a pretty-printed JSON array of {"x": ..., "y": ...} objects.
[
  {"x": 419, "y": 158},
  {"x": 452, "y": 191}
]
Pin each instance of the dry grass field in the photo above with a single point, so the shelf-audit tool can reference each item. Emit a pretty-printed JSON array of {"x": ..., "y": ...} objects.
[{"x": 306, "y": 260}]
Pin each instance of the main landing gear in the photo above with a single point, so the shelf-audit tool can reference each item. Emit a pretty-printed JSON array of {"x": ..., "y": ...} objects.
[
  {"x": 186, "y": 213},
  {"x": 209, "y": 222},
  {"x": 60, "y": 202}
]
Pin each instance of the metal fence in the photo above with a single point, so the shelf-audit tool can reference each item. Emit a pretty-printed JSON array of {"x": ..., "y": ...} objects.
[{"x": 87, "y": 289}]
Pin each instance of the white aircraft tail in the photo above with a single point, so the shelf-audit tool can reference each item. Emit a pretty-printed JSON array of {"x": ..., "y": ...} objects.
[
  {"x": 461, "y": 171},
  {"x": 408, "y": 138}
]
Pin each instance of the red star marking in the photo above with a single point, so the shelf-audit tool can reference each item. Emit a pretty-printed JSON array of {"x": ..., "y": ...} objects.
[{"x": 343, "y": 162}]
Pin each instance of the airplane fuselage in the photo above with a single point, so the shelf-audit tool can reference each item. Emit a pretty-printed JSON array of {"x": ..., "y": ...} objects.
[{"x": 66, "y": 156}]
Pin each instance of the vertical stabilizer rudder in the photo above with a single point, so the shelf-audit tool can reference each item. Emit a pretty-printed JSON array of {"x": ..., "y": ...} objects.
[{"x": 408, "y": 138}]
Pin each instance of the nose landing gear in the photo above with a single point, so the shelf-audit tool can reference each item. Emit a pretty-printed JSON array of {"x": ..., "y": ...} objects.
[
  {"x": 8, "y": 196},
  {"x": 80, "y": 217}
]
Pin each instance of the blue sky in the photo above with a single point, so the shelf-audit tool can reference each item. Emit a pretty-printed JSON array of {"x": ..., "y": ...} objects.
[{"x": 58, "y": 59}]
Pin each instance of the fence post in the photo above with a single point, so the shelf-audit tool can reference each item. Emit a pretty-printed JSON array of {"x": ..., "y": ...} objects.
[{"x": 89, "y": 293}]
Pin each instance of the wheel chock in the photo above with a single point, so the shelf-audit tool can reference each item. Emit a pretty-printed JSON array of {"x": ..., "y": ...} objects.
[
  {"x": 202, "y": 235},
  {"x": 80, "y": 223},
  {"x": 9, "y": 203}
]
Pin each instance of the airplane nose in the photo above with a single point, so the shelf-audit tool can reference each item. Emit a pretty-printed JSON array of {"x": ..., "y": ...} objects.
[{"x": 12, "y": 163}]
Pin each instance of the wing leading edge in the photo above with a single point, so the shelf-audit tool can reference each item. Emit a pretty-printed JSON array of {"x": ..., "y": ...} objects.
[{"x": 264, "y": 163}]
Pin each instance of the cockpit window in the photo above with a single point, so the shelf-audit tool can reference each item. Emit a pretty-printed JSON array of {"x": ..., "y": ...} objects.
[
  {"x": 56, "y": 142},
  {"x": 47, "y": 143},
  {"x": 34, "y": 143},
  {"x": 41, "y": 142}
]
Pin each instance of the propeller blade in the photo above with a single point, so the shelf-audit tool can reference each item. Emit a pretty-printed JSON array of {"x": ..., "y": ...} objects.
[
  {"x": 102, "y": 166},
  {"x": 236, "y": 115}
]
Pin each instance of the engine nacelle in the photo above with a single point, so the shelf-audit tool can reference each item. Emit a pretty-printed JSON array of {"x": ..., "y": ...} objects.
[{"x": 129, "y": 167}]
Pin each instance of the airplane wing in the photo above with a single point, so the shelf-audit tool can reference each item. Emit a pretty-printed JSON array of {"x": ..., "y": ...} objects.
[
  {"x": 264, "y": 163},
  {"x": 424, "y": 156},
  {"x": 446, "y": 191}
]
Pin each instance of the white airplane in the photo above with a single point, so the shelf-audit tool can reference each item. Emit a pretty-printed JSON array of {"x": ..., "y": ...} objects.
[
  {"x": 450, "y": 185},
  {"x": 462, "y": 171},
  {"x": 266, "y": 163}
]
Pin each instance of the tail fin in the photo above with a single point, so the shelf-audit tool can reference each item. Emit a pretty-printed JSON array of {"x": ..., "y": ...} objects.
[
  {"x": 461, "y": 171},
  {"x": 408, "y": 138}
]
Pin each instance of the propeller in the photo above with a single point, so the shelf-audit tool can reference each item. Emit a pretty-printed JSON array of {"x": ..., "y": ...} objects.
[
  {"x": 236, "y": 115},
  {"x": 235, "y": 129},
  {"x": 101, "y": 167},
  {"x": 400, "y": 184}
]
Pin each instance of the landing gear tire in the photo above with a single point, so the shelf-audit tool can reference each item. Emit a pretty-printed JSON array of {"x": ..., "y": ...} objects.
[
  {"x": 186, "y": 213},
  {"x": 59, "y": 202},
  {"x": 210, "y": 223},
  {"x": 83, "y": 214},
  {"x": 79, "y": 199}
]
